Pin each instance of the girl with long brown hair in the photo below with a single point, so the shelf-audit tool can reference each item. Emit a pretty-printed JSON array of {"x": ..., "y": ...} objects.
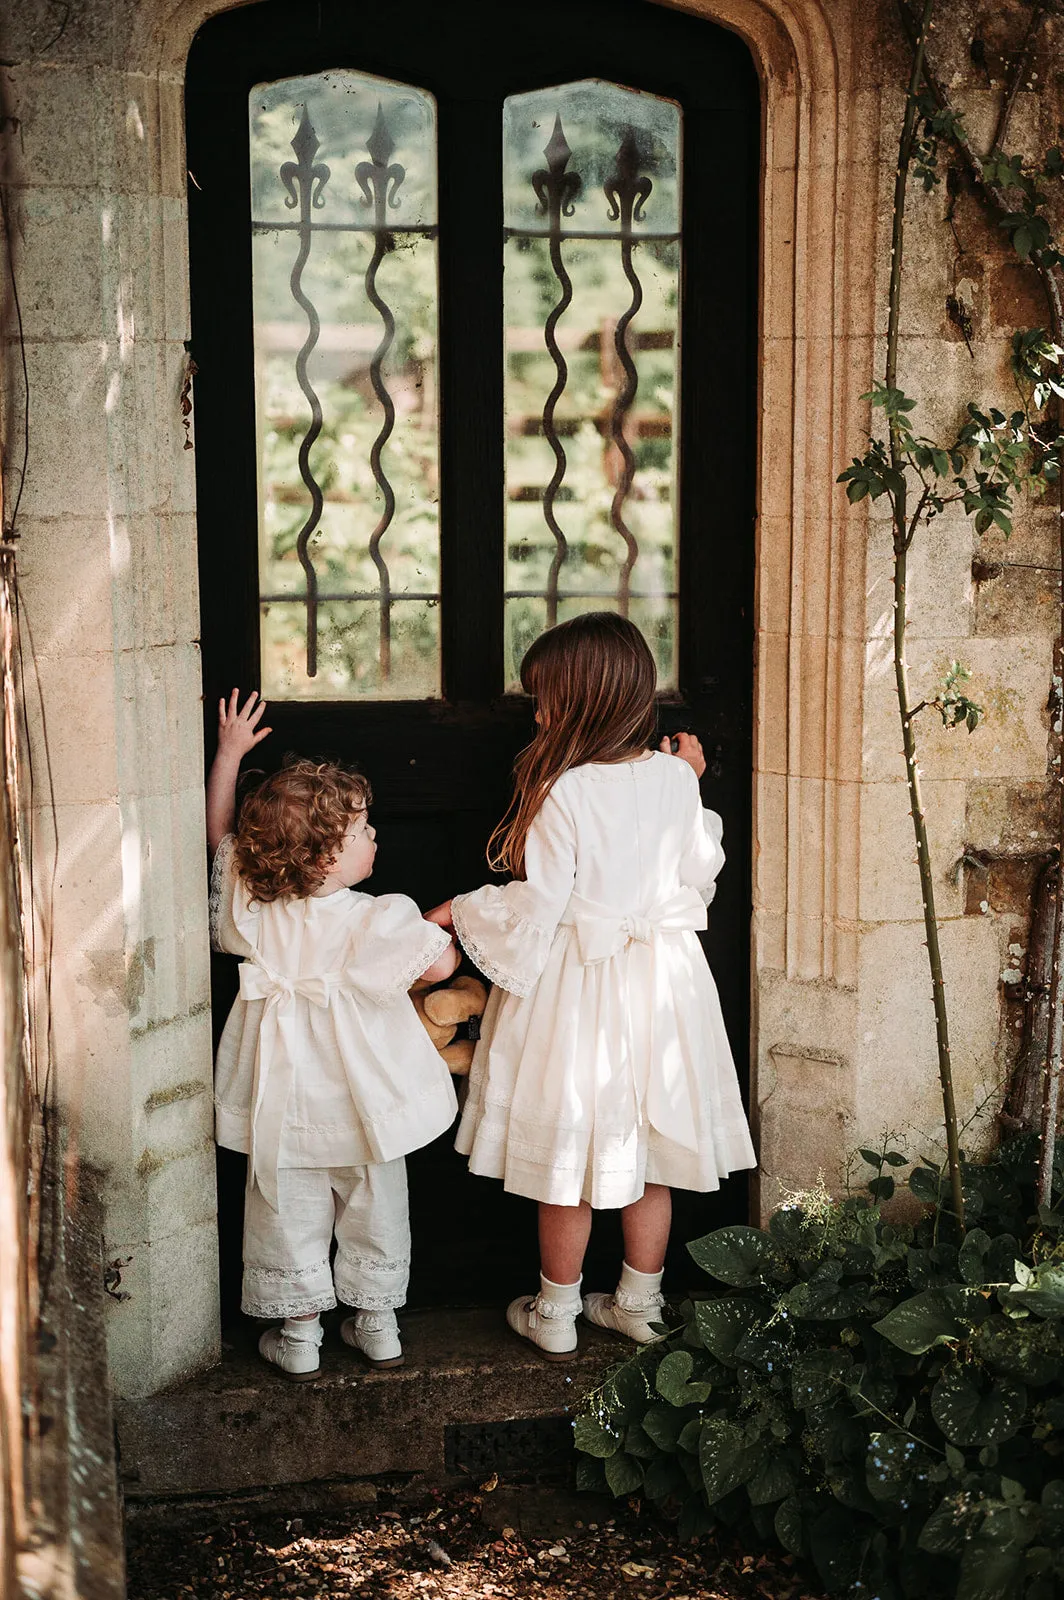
[{"x": 603, "y": 1077}]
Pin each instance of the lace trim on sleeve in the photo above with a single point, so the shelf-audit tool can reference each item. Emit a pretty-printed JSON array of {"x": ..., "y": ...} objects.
[
  {"x": 429, "y": 953},
  {"x": 501, "y": 976},
  {"x": 221, "y": 881}
]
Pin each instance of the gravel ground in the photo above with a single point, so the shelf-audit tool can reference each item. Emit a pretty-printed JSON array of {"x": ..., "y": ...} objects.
[{"x": 452, "y": 1544}]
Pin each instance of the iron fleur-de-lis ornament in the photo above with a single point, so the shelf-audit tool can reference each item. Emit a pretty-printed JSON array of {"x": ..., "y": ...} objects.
[
  {"x": 626, "y": 188},
  {"x": 555, "y": 188},
  {"x": 380, "y": 179},
  {"x": 304, "y": 174}
]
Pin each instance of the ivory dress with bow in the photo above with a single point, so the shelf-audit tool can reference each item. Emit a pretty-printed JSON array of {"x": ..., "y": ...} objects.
[
  {"x": 323, "y": 1062},
  {"x": 603, "y": 1062}
]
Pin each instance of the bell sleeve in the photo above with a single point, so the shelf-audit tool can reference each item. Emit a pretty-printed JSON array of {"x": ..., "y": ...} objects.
[
  {"x": 703, "y": 853},
  {"x": 392, "y": 947},
  {"x": 507, "y": 931},
  {"x": 231, "y": 919}
]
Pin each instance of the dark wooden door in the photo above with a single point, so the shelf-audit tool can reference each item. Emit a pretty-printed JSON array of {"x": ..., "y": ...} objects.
[{"x": 440, "y": 767}]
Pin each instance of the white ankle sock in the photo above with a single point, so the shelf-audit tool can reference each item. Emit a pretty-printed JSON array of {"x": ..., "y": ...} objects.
[
  {"x": 637, "y": 1289},
  {"x": 308, "y": 1328},
  {"x": 564, "y": 1295}
]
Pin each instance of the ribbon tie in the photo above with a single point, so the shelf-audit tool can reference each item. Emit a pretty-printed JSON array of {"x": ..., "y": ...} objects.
[
  {"x": 259, "y": 982},
  {"x": 658, "y": 1079},
  {"x": 602, "y": 932},
  {"x": 274, "y": 1058}
]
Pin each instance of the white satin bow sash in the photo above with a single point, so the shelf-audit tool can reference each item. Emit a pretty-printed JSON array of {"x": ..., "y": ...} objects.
[
  {"x": 275, "y": 1058},
  {"x": 659, "y": 1073},
  {"x": 602, "y": 932}
]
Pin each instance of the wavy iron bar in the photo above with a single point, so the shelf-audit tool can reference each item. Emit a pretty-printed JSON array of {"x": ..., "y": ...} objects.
[
  {"x": 556, "y": 189},
  {"x": 627, "y": 192},
  {"x": 304, "y": 180},
  {"x": 379, "y": 179}
]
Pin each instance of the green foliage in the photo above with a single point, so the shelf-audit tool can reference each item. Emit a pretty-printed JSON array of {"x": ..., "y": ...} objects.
[
  {"x": 1025, "y": 223},
  {"x": 883, "y": 1398}
]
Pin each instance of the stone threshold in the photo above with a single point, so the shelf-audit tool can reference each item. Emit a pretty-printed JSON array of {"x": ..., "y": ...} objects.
[{"x": 467, "y": 1386}]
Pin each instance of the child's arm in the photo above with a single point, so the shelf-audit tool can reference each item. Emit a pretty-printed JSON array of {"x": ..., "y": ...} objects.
[
  {"x": 238, "y": 732},
  {"x": 443, "y": 967}
]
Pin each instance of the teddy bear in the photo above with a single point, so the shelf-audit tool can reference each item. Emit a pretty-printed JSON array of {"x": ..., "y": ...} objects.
[{"x": 449, "y": 1014}]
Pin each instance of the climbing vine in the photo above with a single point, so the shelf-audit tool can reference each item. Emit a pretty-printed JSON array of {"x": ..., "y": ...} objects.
[{"x": 988, "y": 461}]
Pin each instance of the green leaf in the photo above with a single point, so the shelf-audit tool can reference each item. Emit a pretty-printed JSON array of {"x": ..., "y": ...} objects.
[
  {"x": 1042, "y": 1291},
  {"x": 663, "y": 1480},
  {"x": 623, "y": 1474},
  {"x": 593, "y": 1439},
  {"x": 590, "y": 1475},
  {"x": 989, "y": 1574},
  {"x": 973, "y": 1408},
  {"x": 873, "y": 1157},
  {"x": 722, "y": 1324},
  {"x": 725, "y": 1456},
  {"x": 816, "y": 1376},
  {"x": 894, "y": 1158},
  {"x": 920, "y": 1323},
  {"x": 688, "y": 1440},
  {"x": 673, "y": 1380},
  {"x": 774, "y": 1481},
  {"x": 638, "y": 1442},
  {"x": 947, "y": 1529},
  {"x": 741, "y": 1257},
  {"x": 973, "y": 1254},
  {"x": 788, "y": 1525},
  {"x": 664, "y": 1424}
]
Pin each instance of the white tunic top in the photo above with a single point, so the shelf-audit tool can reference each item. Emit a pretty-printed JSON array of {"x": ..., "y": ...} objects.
[
  {"x": 603, "y": 1062},
  {"x": 323, "y": 1061}
]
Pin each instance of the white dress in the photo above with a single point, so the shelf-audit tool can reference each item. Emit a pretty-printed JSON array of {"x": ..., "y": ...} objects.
[
  {"x": 323, "y": 1061},
  {"x": 603, "y": 1062}
]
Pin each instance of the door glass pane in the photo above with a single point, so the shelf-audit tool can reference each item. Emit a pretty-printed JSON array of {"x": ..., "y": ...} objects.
[
  {"x": 592, "y": 296},
  {"x": 343, "y": 184}
]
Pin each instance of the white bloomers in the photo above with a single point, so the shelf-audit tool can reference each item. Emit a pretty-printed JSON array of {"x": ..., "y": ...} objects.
[{"x": 286, "y": 1252}]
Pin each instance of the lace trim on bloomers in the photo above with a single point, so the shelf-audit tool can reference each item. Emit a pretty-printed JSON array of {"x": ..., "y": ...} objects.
[
  {"x": 287, "y": 1308},
  {"x": 365, "y": 1264},
  {"x": 376, "y": 1302},
  {"x": 220, "y": 877},
  {"x": 521, "y": 987},
  {"x": 287, "y": 1274},
  {"x": 426, "y": 957}
]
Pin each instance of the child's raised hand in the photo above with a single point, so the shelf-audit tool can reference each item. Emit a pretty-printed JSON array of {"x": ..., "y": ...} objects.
[
  {"x": 238, "y": 726},
  {"x": 688, "y": 749},
  {"x": 441, "y": 915}
]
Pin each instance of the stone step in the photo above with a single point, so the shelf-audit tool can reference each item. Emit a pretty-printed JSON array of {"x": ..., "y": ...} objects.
[{"x": 245, "y": 1426}]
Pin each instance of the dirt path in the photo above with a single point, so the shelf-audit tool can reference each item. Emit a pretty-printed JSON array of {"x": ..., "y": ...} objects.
[{"x": 504, "y": 1540}]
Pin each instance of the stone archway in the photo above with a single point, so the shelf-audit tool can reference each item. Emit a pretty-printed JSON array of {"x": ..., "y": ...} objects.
[{"x": 109, "y": 579}]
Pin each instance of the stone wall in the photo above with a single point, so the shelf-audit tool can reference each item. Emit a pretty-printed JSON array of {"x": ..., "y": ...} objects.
[{"x": 92, "y": 145}]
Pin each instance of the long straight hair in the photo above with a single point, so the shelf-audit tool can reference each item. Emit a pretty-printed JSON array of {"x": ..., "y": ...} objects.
[{"x": 593, "y": 680}]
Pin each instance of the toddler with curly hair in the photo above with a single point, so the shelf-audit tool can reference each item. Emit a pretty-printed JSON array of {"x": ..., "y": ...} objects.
[{"x": 325, "y": 1078}]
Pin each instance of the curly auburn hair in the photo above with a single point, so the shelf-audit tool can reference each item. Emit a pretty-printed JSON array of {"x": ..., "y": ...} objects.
[{"x": 292, "y": 826}]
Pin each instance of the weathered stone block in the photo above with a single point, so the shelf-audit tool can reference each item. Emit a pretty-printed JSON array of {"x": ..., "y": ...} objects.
[
  {"x": 890, "y": 880},
  {"x": 1018, "y": 600}
]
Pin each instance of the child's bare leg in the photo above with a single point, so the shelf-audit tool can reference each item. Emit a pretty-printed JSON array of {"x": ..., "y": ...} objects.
[
  {"x": 563, "y": 1235},
  {"x": 645, "y": 1225}
]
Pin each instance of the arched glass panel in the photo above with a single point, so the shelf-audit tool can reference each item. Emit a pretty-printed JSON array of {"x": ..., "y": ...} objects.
[
  {"x": 343, "y": 184},
  {"x": 592, "y": 298}
]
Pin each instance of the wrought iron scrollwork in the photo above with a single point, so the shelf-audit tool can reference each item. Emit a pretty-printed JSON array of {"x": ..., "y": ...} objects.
[
  {"x": 627, "y": 191},
  {"x": 556, "y": 189},
  {"x": 304, "y": 179}
]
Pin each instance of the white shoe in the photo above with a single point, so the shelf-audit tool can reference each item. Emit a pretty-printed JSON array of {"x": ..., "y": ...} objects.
[
  {"x": 376, "y": 1334},
  {"x": 632, "y": 1320},
  {"x": 547, "y": 1325},
  {"x": 297, "y": 1358}
]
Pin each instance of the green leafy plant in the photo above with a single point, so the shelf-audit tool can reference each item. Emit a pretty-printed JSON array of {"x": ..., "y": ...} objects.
[{"x": 882, "y": 1398}]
